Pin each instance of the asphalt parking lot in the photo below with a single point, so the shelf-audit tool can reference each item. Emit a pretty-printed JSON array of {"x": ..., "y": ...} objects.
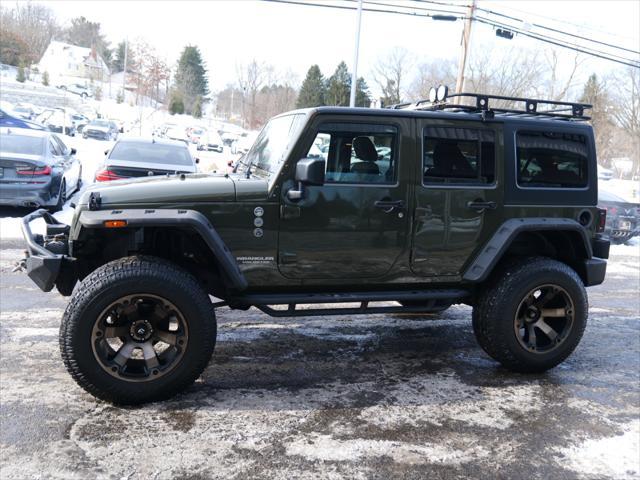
[{"x": 334, "y": 397}]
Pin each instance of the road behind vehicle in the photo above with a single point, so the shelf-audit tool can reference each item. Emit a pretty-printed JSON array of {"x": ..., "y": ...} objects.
[
  {"x": 623, "y": 217},
  {"x": 100, "y": 130},
  {"x": 37, "y": 169},
  {"x": 140, "y": 157},
  {"x": 408, "y": 210}
]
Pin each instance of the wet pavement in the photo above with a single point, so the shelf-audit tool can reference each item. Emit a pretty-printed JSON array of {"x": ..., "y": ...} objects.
[{"x": 379, "y": 396}]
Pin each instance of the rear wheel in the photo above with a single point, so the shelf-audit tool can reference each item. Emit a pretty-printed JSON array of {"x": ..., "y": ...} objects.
[
  {"x": 62, "y": 197},
  {"x": 139, "y": 329},
  {"x": 532, "y": 315}
]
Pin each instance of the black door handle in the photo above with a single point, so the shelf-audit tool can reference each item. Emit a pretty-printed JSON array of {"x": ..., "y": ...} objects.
[
  {"x": 480, "y": 205},
  {"x": 389, "y": 205}
]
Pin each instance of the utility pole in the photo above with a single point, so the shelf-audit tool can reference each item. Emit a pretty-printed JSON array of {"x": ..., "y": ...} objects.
[
  {"x": 465, "y": 42},
  {"x": 124, "y": 72},
  {"x": 354, "y": 74}
]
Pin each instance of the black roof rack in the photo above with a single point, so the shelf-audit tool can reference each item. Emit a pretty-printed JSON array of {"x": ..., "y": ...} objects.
[{"x": 532, "y": 107}]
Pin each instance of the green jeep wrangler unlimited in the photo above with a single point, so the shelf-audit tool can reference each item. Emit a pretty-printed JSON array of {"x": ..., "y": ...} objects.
[{"x": 405, "y": 209}]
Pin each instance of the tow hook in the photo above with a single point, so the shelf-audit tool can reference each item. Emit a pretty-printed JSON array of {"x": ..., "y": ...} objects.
[{"x": 21, "y": 266}]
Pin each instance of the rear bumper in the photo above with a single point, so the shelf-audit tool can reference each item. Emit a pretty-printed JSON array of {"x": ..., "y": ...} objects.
[
  {"x": 26, "y": 194},
  {"x": 42, "y": 265},
  {"x": 96, "y": 135},
  {"x": 593, "y": 271}
]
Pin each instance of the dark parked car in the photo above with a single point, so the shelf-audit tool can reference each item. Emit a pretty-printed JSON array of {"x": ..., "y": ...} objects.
[
  {"x": 36, "y": 169},
  {"x": 139, "y": 157},
  {"x": 623, "y": 218},
  {"x": 101, "y": 130}
]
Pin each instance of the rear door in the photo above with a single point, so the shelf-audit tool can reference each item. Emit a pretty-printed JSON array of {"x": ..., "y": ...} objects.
[
  {"x": 457, "y": 196},
  {"x": 355, "y": 225}
]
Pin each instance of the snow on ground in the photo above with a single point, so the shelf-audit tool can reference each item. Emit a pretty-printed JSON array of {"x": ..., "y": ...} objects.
[{"x": 610, "y": 456}]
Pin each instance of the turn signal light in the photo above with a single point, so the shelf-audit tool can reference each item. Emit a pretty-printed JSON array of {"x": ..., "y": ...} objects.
[{"x": 115, "y": 223}]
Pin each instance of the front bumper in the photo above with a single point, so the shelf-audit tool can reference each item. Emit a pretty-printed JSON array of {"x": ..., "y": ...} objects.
[{"x": 42, "y": 265}]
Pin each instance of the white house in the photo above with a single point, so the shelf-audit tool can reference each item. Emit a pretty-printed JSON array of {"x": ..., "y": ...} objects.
[{"x": 66, "y": 60}]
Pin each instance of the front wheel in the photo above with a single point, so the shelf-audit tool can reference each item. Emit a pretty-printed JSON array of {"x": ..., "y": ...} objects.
[
  {"x": 532, "y": 314},
  {"x": 138, "y": 329}
]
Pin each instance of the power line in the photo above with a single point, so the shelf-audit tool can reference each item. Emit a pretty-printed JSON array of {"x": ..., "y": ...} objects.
[
  {"x": 345, "y": 7},
  {"x": 558, "y": 43},
  {"x": 537, "y": 25},
  {"x": 559, "y": 31},
  {"x": 553, "y": 41},
  {"x": 566, "y": 22}
]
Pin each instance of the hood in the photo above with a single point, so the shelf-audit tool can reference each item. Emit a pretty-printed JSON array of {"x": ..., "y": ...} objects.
[{"x": 177, "y": 190}]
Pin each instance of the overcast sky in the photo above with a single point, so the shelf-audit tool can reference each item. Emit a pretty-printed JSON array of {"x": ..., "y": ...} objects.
[{"x": 294, "y": 37}]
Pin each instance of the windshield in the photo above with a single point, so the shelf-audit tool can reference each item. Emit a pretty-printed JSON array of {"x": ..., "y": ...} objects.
[
  {"x": 268, "y": 151},
  {"x": 21, "y": 144},
  {"x": 151, "y": 153},
  {"x": 100, "y": 123}
]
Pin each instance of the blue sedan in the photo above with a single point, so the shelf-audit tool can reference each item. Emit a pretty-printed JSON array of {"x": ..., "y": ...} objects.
[{"x": 36, "y": 169}]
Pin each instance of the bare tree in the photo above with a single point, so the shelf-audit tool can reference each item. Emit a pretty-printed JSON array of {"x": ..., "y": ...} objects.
[
  {"x": 626, "y": 111},
  {"x": 557, "y": 86},
  {"x": 34, "y": 24},
  {"x": 390, "y": 73},
  {"x": 431, "y": 74},
  {"x": 251, "y": 78}
]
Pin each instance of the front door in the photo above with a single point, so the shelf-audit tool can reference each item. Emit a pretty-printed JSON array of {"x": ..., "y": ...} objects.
[
  {"x": 457, "y": 198},
  {"x": 355, "y": 225}
]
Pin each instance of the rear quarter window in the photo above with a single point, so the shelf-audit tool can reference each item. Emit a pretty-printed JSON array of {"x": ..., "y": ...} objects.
[{"x": 551, "y": 160}]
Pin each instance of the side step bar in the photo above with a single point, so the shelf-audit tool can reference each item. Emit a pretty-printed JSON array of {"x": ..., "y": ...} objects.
[{"x": 263, "y": 301}]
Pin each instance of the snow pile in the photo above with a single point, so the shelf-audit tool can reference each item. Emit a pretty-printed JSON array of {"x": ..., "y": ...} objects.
[{"x": 617, "y": 457}]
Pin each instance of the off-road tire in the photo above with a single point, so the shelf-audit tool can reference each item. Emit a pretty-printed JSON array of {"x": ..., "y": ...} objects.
[
  {"x": 496, "y": 308},
  {"x": 127, "y": 276}
]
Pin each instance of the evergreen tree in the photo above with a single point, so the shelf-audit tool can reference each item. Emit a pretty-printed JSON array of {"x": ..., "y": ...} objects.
[
  {"x": 84, "y": 33},
  {"x": 390, "y": 94},
  {"x": 21, "y": 77},
  {"x": 191, "y": 77},
  {"x": 339, "y": 86},
  {"x": 313, "y": 89},
  {"x": 595, "y": 93},
  {"x": 363, "y": 97},
  {"x": 118, "y": 58},
  {"x": 176, "y": 105},
  {"x": 197, "y": 107}
]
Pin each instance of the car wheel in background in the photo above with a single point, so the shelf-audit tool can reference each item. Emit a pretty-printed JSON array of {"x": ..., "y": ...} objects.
[{"x": 62, "y": 197}]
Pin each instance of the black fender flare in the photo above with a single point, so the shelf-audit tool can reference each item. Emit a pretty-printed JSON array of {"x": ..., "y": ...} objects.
[
  {"x": 171, "y": 218},
  {"x": 491, "y": 253}
]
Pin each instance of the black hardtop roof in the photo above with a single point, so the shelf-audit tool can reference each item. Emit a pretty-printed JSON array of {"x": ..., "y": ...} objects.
[{"x": 466, "y": 116}]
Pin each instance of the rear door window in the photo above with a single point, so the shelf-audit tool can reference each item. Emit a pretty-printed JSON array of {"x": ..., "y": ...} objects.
[{"x": 454, "y": 155}]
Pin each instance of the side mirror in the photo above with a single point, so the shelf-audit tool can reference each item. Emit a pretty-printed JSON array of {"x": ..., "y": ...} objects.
[
  {"x": 309, "y": 171},
  {"x": 197, "y": 160},
  {"x": 106, "y": 152},
  {"x": 73, "y": 151}
]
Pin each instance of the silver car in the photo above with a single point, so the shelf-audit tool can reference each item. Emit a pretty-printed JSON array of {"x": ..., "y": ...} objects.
[{"x": 36, "y": 169}]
